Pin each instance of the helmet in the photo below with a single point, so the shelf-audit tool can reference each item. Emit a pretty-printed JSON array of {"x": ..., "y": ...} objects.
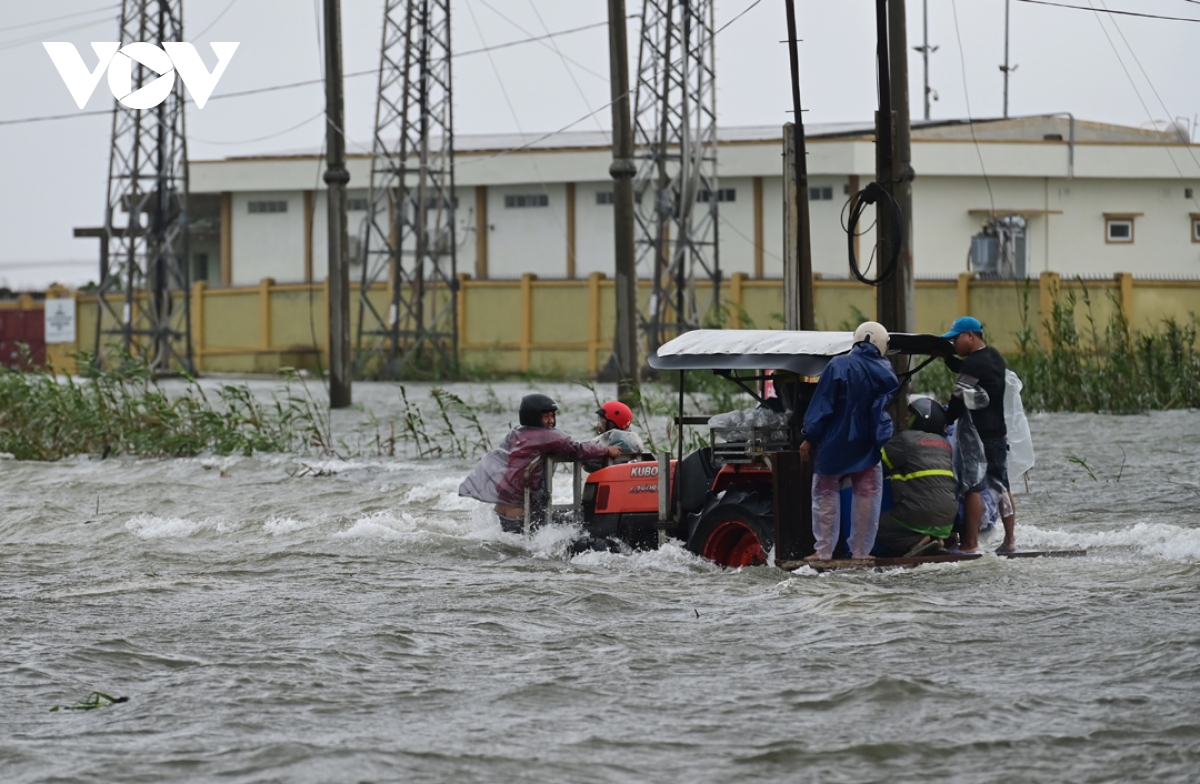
[
  {"x": 532, "y": 408},
  {"x": 872, "y": 332},
  {"x": 927, "y": 415},
  {"x": 617, "y": 413}
]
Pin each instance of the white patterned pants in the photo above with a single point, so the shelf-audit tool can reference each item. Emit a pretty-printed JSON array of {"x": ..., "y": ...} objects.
[{"x": 867, "y": 489}]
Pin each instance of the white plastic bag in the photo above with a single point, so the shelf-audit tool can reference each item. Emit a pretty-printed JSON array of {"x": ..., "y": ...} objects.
[
  {"x": 1020, "y": 442},
  {"x": 736, "y": 424}
]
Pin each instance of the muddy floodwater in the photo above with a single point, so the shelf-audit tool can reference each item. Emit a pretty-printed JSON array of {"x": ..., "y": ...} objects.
[{"x": 299, "y": 619}]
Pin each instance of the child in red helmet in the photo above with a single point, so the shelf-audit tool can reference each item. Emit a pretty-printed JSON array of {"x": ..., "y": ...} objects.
[{"x": 613, "y": 427}]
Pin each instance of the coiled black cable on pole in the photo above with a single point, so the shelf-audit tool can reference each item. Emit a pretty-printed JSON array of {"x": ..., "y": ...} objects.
[{"x": 869, "y": 195}]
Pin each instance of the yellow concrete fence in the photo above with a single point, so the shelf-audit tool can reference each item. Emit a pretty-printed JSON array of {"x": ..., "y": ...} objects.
[{"x": 566, "y": 326}]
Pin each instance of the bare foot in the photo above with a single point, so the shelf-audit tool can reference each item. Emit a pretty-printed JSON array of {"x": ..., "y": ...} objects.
[
  {"x": 815, "y": 557},
  {"x": 1006, "y": 547}
]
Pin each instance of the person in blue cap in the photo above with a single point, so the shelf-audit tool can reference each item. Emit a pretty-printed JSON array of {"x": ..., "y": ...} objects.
[
  {"x": 981, "y": 367},
  {"x": 844, "y": 427}
]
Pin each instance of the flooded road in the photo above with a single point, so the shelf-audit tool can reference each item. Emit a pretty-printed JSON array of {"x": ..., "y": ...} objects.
[{"x": 285, "y": 618}]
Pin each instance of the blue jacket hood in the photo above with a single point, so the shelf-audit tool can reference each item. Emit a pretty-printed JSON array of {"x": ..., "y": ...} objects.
[{"x": 847, "y": 420}]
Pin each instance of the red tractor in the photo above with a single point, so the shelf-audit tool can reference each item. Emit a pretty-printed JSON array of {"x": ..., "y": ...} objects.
[{"x": 748, "y": 492}]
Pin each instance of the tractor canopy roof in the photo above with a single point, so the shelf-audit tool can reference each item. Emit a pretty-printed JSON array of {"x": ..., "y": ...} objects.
[{"x": 802, "y": 353}]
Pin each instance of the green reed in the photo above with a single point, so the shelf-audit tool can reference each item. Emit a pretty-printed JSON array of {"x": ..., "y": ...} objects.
[
  {"x": 125, "y": 411},
  {"x": 1108, "y": 367},
  {"x": 1092, "y": 366}
]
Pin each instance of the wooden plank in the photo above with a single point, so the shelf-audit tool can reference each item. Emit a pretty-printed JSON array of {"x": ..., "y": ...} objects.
[
  {"x": 950, "y": 557},
  {"x": 1044, "y": 554}
]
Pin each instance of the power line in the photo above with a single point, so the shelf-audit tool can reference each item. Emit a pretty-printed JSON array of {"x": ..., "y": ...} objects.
[
  {"x": 493, "y": 9},
  {"x": 213, "y": 22},
  {"x": 1153, "y": 89},
  {"x": 966, "y": 95},
  {"x": 15, "y": 42},
  {"x": 307, "y": 82},
  {"x": 59, "y": 18},
  {"x": 494, "y": 47},
  {"x": 1110, "y": 11},
  {"x": 573, "y": 123},
  {"x": 747, "y": 10},
  {"x": 291, "y": 85},
  {"x": 300, "y": 124},
  {"x": 566, "y": 66}
]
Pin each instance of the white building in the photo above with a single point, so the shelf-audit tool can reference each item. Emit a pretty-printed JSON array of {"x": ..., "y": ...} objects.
[{"x": 1113, "y": 199}]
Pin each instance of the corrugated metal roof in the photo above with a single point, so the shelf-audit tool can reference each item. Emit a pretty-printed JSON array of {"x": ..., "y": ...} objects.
[{"x": 1026, "y": 129}]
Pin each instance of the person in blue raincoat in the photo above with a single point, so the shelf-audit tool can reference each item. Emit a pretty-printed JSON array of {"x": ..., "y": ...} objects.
[{"x": 844, "y": 428}]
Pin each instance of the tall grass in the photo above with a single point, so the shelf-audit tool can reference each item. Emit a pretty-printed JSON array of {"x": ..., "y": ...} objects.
[
  {"x": 125, "y": 411},
  {"x": 1108, "y": 367},
  {"x": 1090, "y": 366}
]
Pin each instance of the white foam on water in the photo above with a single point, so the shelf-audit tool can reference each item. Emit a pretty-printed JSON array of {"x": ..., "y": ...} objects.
[
  {"x": 1163, "y": 541},
  {"x": 285, "y": 525},
  {"x": 395, "y": 524},
  {"x": 453, "y": 502},
  {"x": 219, "y": 462},
  {"x": 147, "y": 526},
  {"x": 671, "y": 558},
  {"x": 440, "y": 495},
  {"x": 421, "y": 494},
  {"x": 408, "y": 466},
  {"x": 373, "y": 528},
  {"x": 329, "y": 466}
]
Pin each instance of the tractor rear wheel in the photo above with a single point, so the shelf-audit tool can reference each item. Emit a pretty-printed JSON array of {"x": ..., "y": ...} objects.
[{"x": 731, "y": 535}]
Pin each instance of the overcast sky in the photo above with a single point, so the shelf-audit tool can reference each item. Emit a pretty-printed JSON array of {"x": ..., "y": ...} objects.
[{"x": 55, "y": 171}]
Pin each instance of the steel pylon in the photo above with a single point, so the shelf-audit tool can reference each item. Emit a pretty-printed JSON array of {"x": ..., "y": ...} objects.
[
  {"x": 143, "y": 305},
  {"x": 408, "y": 240},
  {"x": 676, "y": 193}
]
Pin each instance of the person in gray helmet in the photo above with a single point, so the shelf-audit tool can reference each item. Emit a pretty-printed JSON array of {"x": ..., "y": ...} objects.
[
  {"x": 501, "y": 476},
  {"x": 919, "y": 462}
]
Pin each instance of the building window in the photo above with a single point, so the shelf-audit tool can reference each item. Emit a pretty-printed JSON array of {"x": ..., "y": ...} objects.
[
  {"x": 723, "y": 194},
  {"x": 526, "y": 200},
  {"x": 356, "y": 205},
  {"x": 267, "y": 206},
  {"x": 1118, "y": 230},
  {"x": 1196, "y": 227},
  {"x": 820, "y": 194},
  {"x": 605, "y": 198}
]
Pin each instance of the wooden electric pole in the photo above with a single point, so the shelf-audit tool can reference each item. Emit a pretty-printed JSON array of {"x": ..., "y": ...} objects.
[
  {"x": 625, "y": 346},
  {"x": 797, "y": 257},
  {"x": 894, "y": 296},
  {"x": 336, "y": 178}
]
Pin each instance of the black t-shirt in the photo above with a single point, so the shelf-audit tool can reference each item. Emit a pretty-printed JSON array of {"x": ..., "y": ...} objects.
[{"x": 987, "y": 366}]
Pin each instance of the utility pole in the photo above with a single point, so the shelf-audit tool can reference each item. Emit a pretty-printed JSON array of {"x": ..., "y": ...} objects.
[
  {"x": 925, "y": 49},
  {"x": 1006, "y": 68},
  {"x": 623, "y": 169},
  {"x": 894, "y": 297},
  {"x": 336, "y": 178},
  {"x": 797, "y": 275}
]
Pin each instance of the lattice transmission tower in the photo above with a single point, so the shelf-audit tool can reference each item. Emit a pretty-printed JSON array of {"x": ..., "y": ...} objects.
[
  {"x": 143, "y": 307},
  {"x": 676, "y": 193},
  {"x": 408, "y": 245}
]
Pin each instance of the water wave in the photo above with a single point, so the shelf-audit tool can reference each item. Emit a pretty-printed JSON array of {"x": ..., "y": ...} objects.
[{"x": 1157, "y": 540}]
